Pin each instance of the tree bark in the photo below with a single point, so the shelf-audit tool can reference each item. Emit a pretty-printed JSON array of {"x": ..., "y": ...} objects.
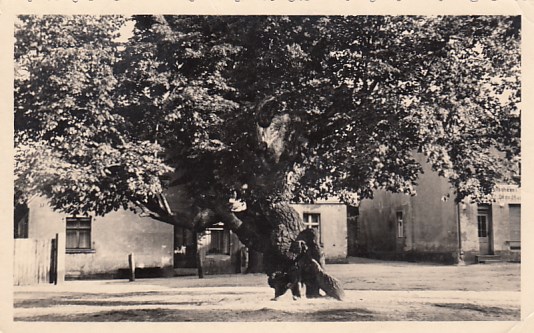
[
  {"x": 276, "y": 230},
  {"x": 255, "y": 262}
]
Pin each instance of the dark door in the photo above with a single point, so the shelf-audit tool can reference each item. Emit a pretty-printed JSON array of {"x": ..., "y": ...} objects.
[
  {"x": 185, "y": 248},
  {"x": 484, "y": 230}
]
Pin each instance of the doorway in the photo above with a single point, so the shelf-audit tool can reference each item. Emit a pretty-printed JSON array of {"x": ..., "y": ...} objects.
[
  {"x": 185, "y": 248},
  {"x": 484, "y": 229}
]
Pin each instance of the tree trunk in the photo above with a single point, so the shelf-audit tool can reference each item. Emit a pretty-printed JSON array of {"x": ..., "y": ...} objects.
[
  {"x": 276, "y": 231},
  {"x": 286, "y": 247},
  {"x": 330, "y": 285},
  {"x": 255, "y": 262}
]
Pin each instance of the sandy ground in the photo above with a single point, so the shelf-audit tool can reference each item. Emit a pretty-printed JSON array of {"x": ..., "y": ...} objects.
[{"x": 375, "y": 291}]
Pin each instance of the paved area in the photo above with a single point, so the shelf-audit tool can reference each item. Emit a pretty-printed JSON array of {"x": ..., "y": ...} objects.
[{"x": 375, "y": 291}]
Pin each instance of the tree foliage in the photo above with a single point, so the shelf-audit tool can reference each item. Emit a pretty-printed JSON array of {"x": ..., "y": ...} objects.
[
  {"x": 263, "y": 109},
  {"x": 71, "y": 145}
]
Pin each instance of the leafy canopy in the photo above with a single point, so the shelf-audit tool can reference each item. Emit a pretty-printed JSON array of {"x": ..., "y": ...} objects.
[
  {"x": 71, "y": 145},
  {"x": 263, "y": 108}
]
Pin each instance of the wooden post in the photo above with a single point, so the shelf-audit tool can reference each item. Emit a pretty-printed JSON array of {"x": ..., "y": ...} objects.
[
  {"x": 53, "y": 259},
  {"x": 61, "y": 245},
  {"x": 200, "y": 265},
  {"x": 199, "y": 255},
  {"x": 131, "y": 264}
]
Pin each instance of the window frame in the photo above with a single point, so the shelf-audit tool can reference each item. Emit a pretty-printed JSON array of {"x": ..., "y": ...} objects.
[
  {"x": 485, "y": 212},
  {"x": 309, "y": 224},
  {"x": 22, "y": 222},
  {"x": 225, "y": 249},
  {"x": 80, "y": 230},
  {"x": 482, "y": 232}
]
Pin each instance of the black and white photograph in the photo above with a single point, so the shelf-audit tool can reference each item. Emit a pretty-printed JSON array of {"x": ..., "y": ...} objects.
[{"x": 192, "y": 168}]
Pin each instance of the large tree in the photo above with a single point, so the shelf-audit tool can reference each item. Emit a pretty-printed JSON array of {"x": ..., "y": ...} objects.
[{"x": 264, "y": 110}]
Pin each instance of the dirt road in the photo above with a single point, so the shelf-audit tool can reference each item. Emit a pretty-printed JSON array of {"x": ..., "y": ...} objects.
[{"x": 375, "y": 291}]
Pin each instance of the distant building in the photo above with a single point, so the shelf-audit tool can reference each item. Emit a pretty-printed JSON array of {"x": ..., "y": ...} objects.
[
  {"x": 221, "y": 252},
  {"x": 99, "y": 246},
  {"x": 330, "y": 219},
  {"x": 432, "y": 227}
]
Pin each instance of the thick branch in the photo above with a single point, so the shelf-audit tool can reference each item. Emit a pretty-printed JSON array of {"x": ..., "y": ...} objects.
[
  {"x": 177, "y": 219},
  {"x": 247, "y": 233},
  {"x": 158, "y": 209},
  {"x": 204, "y": 218}
]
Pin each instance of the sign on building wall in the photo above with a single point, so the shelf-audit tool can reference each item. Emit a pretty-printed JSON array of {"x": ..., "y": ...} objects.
[{"x": 507, "y": 194}]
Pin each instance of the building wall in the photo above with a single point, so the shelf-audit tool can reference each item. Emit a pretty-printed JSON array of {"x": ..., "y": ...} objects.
[
  {"x": 507, "y": 236},
  {"x": 505, "y": 242},
  {"x": 469, "y": 231},
  {"x": 429, "y": 221},
  {"x": 333, "y": 227},
  {"x": 113, "y": 237},
  {"x": 435, "y": 227}
]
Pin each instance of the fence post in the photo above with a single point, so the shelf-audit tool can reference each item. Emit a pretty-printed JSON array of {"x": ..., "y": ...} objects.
[
  {"x": 61, "y": 239},
  {"x": 53, "y": 261},
  {"x": 131, "y": 264}
]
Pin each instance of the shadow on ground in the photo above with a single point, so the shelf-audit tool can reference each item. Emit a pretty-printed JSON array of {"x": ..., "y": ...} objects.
[{"x": 166, "y": 315}]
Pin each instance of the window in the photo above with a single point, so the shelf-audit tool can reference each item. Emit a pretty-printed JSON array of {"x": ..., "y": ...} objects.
[
  {"x": 218, "y": 239},
  {"x": 21, "y": 216},
  {"x": 483, "y": 220},
  {"x": 514, "y": 215},
  {"x": 78, "y": 233},
  {"x": 400, "y": 225},
  {"x": 482, "y": 225},
  {"x": 313, "y": 221}
]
